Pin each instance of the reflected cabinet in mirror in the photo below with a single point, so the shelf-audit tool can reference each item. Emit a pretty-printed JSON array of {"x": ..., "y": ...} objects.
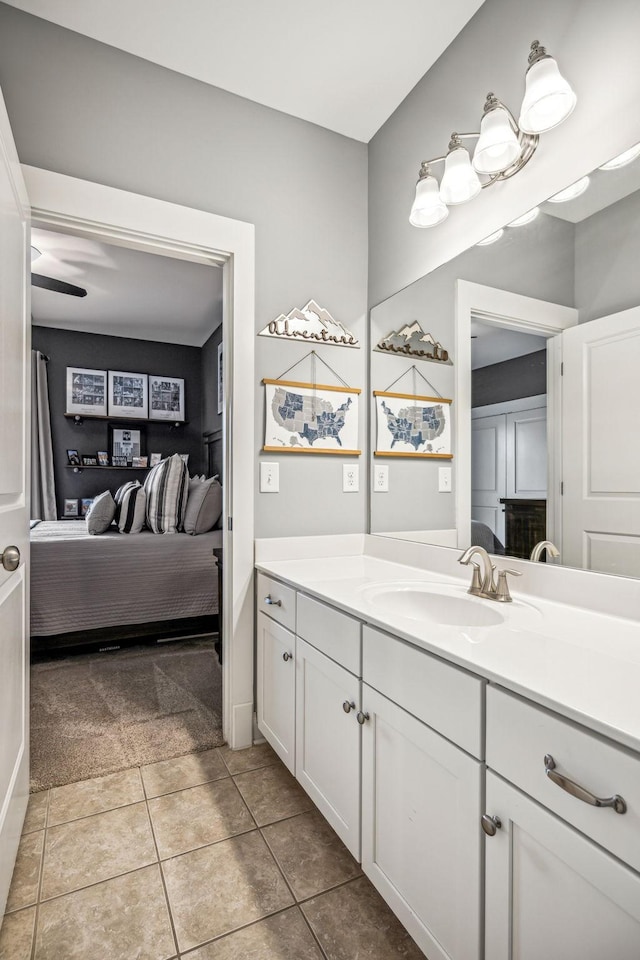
[{"x": 512, "y": 372}]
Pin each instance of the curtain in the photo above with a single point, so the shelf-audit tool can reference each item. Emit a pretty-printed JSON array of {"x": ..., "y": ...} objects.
[{"x": 43, "y": 491}]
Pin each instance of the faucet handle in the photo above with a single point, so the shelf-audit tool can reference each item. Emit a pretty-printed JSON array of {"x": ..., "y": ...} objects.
[{"x": 502, "y": 590}]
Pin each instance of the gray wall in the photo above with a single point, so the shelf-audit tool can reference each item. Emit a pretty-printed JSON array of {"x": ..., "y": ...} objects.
[
  {"x": 607, "y": 249},
  {"x": 596, "y": 45},
  {"x": 535, "y": 261},
  {"x": 510, "y": 380},
  {"x": 95, "y": 351},
  {"x": 87, "y": 110}
]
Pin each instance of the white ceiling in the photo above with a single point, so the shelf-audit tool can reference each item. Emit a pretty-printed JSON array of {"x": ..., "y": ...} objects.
[
  {"x": 343, "y": 64},
  {"x": 129, "y": 293},
  {"x": 496, "y": 344}
]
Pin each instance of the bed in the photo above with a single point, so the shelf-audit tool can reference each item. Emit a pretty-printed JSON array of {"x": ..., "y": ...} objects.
[{"x": 114, "y": 587}]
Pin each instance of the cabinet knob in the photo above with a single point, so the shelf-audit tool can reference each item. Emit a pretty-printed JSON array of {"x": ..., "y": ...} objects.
[
  {"x": 10, "y": 558},
  {"x": 271, "y": 602},
  {"x": 287, "y": 656},
  {"x": 348, "y": 706},
  {"x": 490, "y": 824},
  {"x": 361, "y": 717}
]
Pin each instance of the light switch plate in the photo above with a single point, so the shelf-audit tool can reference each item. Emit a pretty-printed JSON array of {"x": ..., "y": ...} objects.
[
  {"x": 350, "y": 477},
  {"x": 381, "y": 479},
  {"x": 269, "y": 477},
  {"x": 444, "y": 479}
]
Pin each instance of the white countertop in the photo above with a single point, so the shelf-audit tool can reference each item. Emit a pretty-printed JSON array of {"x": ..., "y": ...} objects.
[{"x": 582, "y": 664}]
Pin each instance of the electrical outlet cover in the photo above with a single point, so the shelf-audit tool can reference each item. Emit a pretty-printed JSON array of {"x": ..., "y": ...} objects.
[{"x": 350, "y": 477}]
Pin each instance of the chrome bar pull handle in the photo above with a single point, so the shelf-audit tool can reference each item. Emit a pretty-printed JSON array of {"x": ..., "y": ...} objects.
[
  {"x": 579, "y": 792},
  {"x": 271, "y": 602},
  {"x": 287, "y": 656}
]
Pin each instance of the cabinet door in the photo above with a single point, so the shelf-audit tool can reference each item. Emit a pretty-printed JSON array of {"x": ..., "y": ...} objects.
[
  {"x": 277, "y": 688},
  {"x": 550, "y": 891},
  {"x": 421, "y": 840},
  {"x": 328, "y": 740}
]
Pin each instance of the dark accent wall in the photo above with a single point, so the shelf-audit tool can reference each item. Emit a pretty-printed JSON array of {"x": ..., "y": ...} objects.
[
  {"x": 211, "y": 419},
  {"x": 510, "y": 380},
  {"x": 95, "y": 351}
]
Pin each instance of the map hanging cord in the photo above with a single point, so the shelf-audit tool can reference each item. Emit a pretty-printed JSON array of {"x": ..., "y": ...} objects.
[
  {"x": 314, "y": 356},
  {"x": 413, "y": 369}
]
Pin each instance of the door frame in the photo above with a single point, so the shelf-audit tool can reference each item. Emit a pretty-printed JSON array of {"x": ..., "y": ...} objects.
[
  {"x": 146, "y": 223},
  {"x": 511, "y": 311}
]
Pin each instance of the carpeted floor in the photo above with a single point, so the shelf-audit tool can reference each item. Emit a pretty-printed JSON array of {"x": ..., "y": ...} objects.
[{"x": 96, "y": 713}]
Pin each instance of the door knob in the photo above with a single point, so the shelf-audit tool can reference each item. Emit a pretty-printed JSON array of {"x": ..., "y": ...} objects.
[
  {"x": 490, "y": 824},
  {"x": 10, "y": 559}
]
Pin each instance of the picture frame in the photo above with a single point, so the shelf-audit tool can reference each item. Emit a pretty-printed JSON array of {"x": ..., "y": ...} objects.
[
  {"x": 70, "y": 508},
  {"x": 73, "y": 458},
  {"x": 86, "y": 392},
  {"x": 166, "y": 398},
  {"x": 408, "y": 425},
  {"x": 220, "y": 378},
  {"x": 128, "y": 395},
  {"x": 89, "y": 461},
  {"x": 85, "y": 505},
  {"x": 125, "y": 443},
  {"x": 103, "y": 458},
  {"x": 140, "y": 463},
  {"x": 311, "y": 418},
  {"x": 155, "y": 459}
]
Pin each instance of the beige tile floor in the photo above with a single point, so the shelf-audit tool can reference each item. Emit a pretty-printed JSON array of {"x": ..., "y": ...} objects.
[{"x": 213, "y": 856}]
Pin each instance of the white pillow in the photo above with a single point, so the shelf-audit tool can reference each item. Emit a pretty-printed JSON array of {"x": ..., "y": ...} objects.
[{"x": 101, "y": 513}]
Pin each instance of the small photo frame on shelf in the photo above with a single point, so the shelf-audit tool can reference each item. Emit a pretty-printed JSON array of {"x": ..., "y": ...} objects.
[
  {"x": 166, "y": 398},
  {"x": 89, "y": 461},
  {"x": 155, "y": 459},
  {"x": 86, "y": 392},
  {"x": 74, "y": 458},
  {"x": 125, "y": 443},
  {"x": 103, "y": 458},
  {"x": 140, "y": 462},
  {"x": 128, "y": 395},
  {"x": 71, "y": 508},
  {"x": 85, "y": 505},
  {"x": 118, "y": 461}
]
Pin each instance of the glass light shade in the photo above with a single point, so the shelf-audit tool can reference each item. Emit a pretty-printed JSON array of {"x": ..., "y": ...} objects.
[
  {"x": 492, "y": 238},
  {"x": 528, "y": 217},
  {"x": 428, "y": 209},
  {"x": 548, "y": 98},
  {"x": 460, "y": 181},
  {"x": 497, "y": 147},
  {"x": 35, "y": 253},
  {"x": 622, "y": 159},
  {"x": 570, "y": 193}
]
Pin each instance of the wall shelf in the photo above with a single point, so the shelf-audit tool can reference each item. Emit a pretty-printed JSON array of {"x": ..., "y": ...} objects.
[
  {"x": 79, "y": 419},
  {"x": 79, "y": 467}
]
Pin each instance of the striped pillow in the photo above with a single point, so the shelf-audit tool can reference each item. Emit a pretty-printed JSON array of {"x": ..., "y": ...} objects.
[
  {"x": 167, "y": 489},
  {"x": 130, "y": 507}
]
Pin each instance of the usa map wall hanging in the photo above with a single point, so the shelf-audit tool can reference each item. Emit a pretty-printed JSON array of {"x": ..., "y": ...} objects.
[
  {"x": 310, "y": 418},
  {"x": 412, "y": 426},
  {"x": 311, "y": 324}
]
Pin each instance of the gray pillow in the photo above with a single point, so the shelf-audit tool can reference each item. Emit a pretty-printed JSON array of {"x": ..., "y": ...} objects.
[
  {"x": 101, "y": 513},
  {"x": 204, "y": 506}
]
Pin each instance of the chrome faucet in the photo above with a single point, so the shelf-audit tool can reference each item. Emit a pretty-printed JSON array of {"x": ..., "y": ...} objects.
[
  {"x": 485, "y": 585},
  {"x": 538, "y": 550}
]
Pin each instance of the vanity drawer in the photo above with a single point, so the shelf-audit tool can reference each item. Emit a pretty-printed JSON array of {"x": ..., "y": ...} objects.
[
  {"x": 448, "y": 699},
  {"x": 283, "y": 601},
  {"x": 520, "y": 735},
  {"x": 330, "y": 631}
]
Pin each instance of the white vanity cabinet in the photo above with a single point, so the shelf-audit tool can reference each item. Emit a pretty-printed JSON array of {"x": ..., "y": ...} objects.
[
  {"x": 422, "y": 797},
  {"x": 276, "y": 687}
]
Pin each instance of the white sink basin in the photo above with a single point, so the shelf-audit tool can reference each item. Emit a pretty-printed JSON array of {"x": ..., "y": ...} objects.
[{"x": 433, "y": 602}]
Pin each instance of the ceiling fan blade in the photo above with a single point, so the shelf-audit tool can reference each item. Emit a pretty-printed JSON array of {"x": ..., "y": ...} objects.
[{"x": 58, "y": 286}]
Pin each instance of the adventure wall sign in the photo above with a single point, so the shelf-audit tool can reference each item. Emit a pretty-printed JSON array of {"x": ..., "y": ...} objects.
[
  {"x": 312, "y": 324},
  {"x": 412, "y": 341}
]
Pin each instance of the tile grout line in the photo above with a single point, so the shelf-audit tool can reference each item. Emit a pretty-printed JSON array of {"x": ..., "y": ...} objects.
[
  {"x": 245, "y": 926},
  {"x": 40, "y": 879},
  {"x": 162, "y": 878}
]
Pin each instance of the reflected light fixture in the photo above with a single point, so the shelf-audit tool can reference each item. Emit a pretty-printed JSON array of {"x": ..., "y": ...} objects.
[
  {"x": 571, "y": 192},
  {"x": 528, "y": 217},
  {"x": 35, "y": 253},
  {"x": 622, "y": 159},
  {"x": 492, "y": 238},
  {"x": 503, "y": 146}
]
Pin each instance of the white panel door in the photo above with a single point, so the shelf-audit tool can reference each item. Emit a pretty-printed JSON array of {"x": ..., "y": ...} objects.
[
  {"x": 527, "y": 454},
  {"x": 601, "y": 445},
  {"x": 14, "y": 514},
  {"x": 276, "y": 693},
  {"x": 550, "y": 892},
  {"x": 488, "y": 472},
  {"x": 328, "y": 739},
  {"x": 421, "y": 837}
]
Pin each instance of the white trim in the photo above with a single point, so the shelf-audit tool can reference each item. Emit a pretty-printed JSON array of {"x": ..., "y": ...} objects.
[
  {"x": 514, "y": 312},
  {"x": 509, "y": 406},
  {"x": 95, "y": 210}
]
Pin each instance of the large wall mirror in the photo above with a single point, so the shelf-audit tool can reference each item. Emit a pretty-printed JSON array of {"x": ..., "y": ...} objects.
[{"x": 534, "y": 337}]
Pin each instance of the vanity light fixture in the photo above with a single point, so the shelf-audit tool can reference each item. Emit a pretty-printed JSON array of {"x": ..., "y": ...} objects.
[
  {"x": 622, "y": 159},
  {"x": 492, "y": 238},
  {"x": 570, "y": 193},
  {"x": 528, "y": 217},
  {"x": 503, "y": 146}
]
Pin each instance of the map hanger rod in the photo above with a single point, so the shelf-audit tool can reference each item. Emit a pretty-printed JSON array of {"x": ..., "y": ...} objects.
[
  {"x": 413, "y": 369},
  {"x": 314, "y": 356}
]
